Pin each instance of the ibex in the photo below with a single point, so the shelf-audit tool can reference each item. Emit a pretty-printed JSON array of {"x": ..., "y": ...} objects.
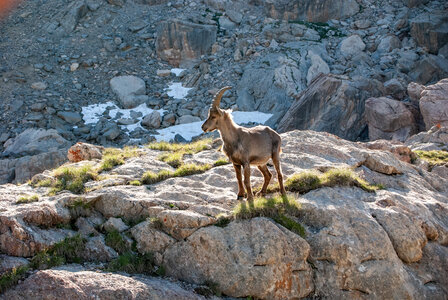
[{"x": 245, "y": 147}]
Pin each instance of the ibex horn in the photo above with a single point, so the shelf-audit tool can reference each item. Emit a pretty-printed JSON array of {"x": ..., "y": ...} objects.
[{"x": 218, "y": 96}]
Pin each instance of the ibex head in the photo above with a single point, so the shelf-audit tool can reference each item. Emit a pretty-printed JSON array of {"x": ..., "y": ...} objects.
[{"x": 215, "y": 114}]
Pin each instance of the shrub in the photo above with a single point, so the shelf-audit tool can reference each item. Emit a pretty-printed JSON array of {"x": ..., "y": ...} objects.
[
  {"x": 66, "y": 251},
  {"x": 132, "y": 263},
  {"x": 116, "y": 241},
  {"x": 12, "y": 277}
]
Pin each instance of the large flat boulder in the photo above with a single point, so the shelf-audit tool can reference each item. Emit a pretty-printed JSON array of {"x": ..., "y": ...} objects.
[{"x": 77, "y": 283}]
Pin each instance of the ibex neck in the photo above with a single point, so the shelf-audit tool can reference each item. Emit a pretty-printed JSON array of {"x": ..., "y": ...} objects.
[{"x": 228, "y": 131}]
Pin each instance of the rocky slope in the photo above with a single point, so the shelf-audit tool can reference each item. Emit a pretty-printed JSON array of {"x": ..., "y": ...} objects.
[
  {"x": 60, "y": 56},
  {"x": 391, "y": 243}
]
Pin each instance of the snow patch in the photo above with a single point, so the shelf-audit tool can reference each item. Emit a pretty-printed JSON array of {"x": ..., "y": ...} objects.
[
  {"x": 92, "y": 113},
  {"x": 177, "y": 71},
  {"x": 190, "y": 130},
  {"x": 177, "y": 91}
]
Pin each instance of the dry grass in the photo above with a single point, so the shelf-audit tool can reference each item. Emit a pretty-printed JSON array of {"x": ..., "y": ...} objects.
[
  {"x": 434, "y": 157},
  {"x": 184, "y": 170}
]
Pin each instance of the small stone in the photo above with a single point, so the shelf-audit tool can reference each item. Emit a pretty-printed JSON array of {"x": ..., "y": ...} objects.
[
  {"x": 74, "y": 67},
  {"x": 39, "y": 86},
  {"x": 163, "y": 73},
  {"x": 115, "y": 224},
  {"x": 352, "y": 45},
  {"x": 152, "y": 120}
]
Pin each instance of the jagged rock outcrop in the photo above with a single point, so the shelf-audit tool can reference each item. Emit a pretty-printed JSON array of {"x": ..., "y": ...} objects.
[
  {"x": 389, "y": 119},
  {"x": 430, "y": 30},
  {"x": 434, "y": 139},
  {"x": 333, "y": 104},
  {"x": 181, "y": 41},
  {"x": 388, "y": 243},
  {"x": 312, "y": 11}
]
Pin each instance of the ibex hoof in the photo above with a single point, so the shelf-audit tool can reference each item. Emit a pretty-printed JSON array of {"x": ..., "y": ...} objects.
[
  {"x": 239, "y": 197},
  {"x": 260, "y": 194}
]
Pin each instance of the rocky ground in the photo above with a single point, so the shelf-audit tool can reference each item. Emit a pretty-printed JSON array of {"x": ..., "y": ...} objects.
[
  {"x": 390, "y": 243},
  {"x": 59, "y": 57}
]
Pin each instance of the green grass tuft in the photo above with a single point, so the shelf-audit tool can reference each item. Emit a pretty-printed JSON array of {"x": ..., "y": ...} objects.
[
  {"x": 281, "y": 209},
  {"x": 133, "y": 263},
  {"x": 267, "y": 207},
  {"x": 434, "y": 157},
  {"x": 135, "y": 182},
  {"x": 220, "y": 162},
  {"x": 72, "y": 179},
  {"x": 114, "y": 157},
  {"x": 174, "y": 159},
  {"x": 116, "y": 241},
  {"x": 303, "y": 182},
  {"x": 27, "y": 199},
  {"x": 194, "y": 147},
  {"x": 12, "y": 277},
  {"x": 190, "y": 169},
  {"x": 184, "y": 170}
]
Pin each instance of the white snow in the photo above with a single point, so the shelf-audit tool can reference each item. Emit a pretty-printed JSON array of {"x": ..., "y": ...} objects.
[
  {"x": 177, "y": 71},
  {"x": 177, "y": 91},
  {"x": 190, "y": 130},
  {"x": 93, "y": 112}
]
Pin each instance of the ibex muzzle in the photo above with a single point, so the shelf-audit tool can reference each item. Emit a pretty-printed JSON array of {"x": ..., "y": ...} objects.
[{"x": 245, "y": 147}]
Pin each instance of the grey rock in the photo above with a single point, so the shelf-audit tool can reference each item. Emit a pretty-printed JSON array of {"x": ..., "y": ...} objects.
[
  {"x": 112, "y": 132},
  {"x": 35, "y": 141},
  {"x": 39, "y": 86},
  {"x": 152, "y": 120},
  {"x": 7, "y": 263},
  {"x": 245, "y": 101},
  {"x": 69, "y": 117},
  {"x": 388, "y": 43},
  {"x": 73, "y": 13},
  {"x": 115, "y": 224},
  {"x": 430, "y": 30},
  {"x": 429, "y": 69},
  {"x": 169, "y": 119},
  {"x": 225, "y": 23},
  {"x": 318, "y": 66},
  {"x": 188, "y": 119},
  {"x": 149, "y": 239},
  {"x": 389, "y": 119},
  {"x": 394, "y": 88},
  {"x": 129, "y": 90},
  {"x": 179, "y": 139},
  {"x": 333, "y": 104},
  {"x": 352, "y": 45},
  {"x": 180, "y": 41}
]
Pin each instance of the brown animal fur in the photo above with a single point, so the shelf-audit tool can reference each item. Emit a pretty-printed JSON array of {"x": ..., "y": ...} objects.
[{"x": 245, "y": 147}]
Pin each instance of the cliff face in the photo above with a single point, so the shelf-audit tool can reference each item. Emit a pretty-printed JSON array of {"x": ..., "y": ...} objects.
[{"x": 391, "y": 243}]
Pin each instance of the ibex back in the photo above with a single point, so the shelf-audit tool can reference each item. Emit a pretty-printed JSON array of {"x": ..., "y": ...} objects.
[{"x": 245, "y": 147}]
